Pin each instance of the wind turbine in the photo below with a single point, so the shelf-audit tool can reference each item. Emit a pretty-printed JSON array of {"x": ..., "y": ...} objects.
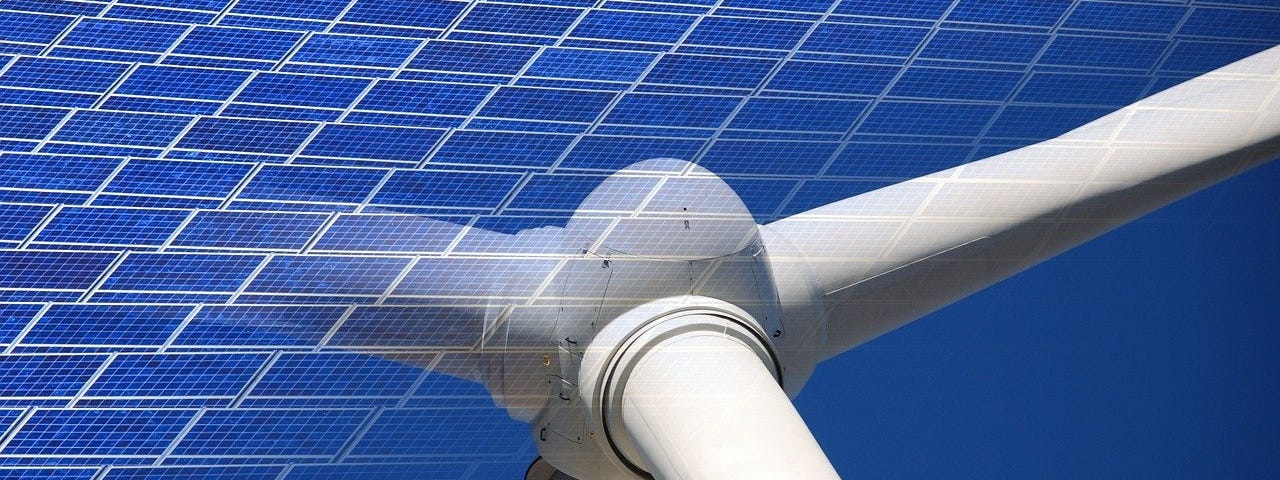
[{"x": 660, "y": 333}]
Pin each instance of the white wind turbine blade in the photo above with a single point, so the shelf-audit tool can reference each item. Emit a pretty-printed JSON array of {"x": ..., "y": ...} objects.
[{"x": 887, "y": 257}]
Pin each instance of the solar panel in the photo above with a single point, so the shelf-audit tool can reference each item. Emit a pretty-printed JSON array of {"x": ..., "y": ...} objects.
[{"x": 234, "y": 234}]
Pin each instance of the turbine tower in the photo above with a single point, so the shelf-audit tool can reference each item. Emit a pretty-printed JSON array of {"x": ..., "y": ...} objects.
[{"x": 675, "y": 328}]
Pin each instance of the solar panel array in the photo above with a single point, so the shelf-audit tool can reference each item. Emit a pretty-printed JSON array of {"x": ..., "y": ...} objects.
[{"x": 214, "y": 211}]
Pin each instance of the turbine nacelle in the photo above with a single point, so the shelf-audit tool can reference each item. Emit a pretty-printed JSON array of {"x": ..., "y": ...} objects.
[{"x": 656, "y": 239}]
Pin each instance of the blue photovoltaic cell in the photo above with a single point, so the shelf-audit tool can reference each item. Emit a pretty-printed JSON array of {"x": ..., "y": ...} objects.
[
  {"x": 321, "y": 184},
  {"x": 424, "y": 97},
  {"x": 166, "y": 177},
  {"x": 748, "y": 33},
  {"x": 286, "y": 89},
  {"x": 591, "y": 64},
  {"x": 46, "y": 375},
  {"x": 250, "y": 230},
  {"x": 988, "y": 46},
  {"x": 901, "y": 161},
  {"x": 178, "y": 272},
  {"x": 258, "y": 325},
  {"x": 446, "y": 189},
  {"x": 238, "y": 43},
  {"x": 417, "y": 13},
  {"x": 16, "y": 221},
  {"x": 328, "y": 275},
  {"x": 672, "y": 110},
  {"x": 562, "y": 192},
  {"x": 46, "y": 6},
  {"x": 356, "y": 50},
  {"x": 411, "y": 327},
  {"x": 31, "y": 27},
  {"x": 410, "y": 432},
  {"x": 272, "y": 23},
  {"x": 60, "y": 74},
  {"x": 473, "y": 57},
  {"x": 476, "y": 240},
  {"x": 281, "y": 113},
  {"x": 503, "y": 148},
  {"x": 1087, "y": 89},
  {"x": 924, "y": 9},
  {"x": 1234, "y": 23},
  {"x": 1133, "y": 17},
  {"x": 547, "y": 104},
  {"x": 106, "y": 324},
  {"x": 122, "y": 128},
  {"x": 138, "y": 104},
  {"x": 1094, "y": 51},
  {"x": 918, "y": 118},
  {"x": 1014, "y": 12},
  {"x": 761, "y": 195},
  {"x": 53, "y": 473},
  {"x": 187, "y": 375},
  {"x": 258, "y": 136},
  {"x": 192, "y": 473},
  {"x": 108, "y": 55},
  {"x": 788, "y": 5},
  {"x": 752, "y": 157},
  {"x": 46, "y": 98},
  {"x": 35, "y": 269},
  {"x": 792, "y": 114},
  {"x": 14, "y": 317},
  {"x": 160, "y": 15},
  {"x": 380, "y": 471},
  {"x": 98, "y": 432},
  {"x": 528, "y": 20},
  {"x": 634, "y": 26},
  {"x": 709, "y": 71},
  {"x": 463, "y": 277},
  {"x": 374, "y": 142},
  {"x": 613, "y": 153},
  {"x": 388, "y": 233},
  {"x": 879, "y": 40},
  {"x": 1015, "y": 121},
  {"x": 956, "y": 83},
  {"x": 122, "y": 226},
  {"x": 210, "y": 5},
  {"x": 124, "y": 35},
  {"x": 822, "y": 192},
  {"x": 828, "y": 77},
  {"x": 28, "y": 122},
  {"x": 183, "y": 82},
  {"x": 311, "y": 9},
  {"x": 1201, "y": 56},
  {"x": 335, "y": 374}
]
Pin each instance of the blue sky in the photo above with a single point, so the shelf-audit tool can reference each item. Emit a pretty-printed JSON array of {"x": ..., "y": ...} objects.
[{"x": 1149, "y": 352}]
